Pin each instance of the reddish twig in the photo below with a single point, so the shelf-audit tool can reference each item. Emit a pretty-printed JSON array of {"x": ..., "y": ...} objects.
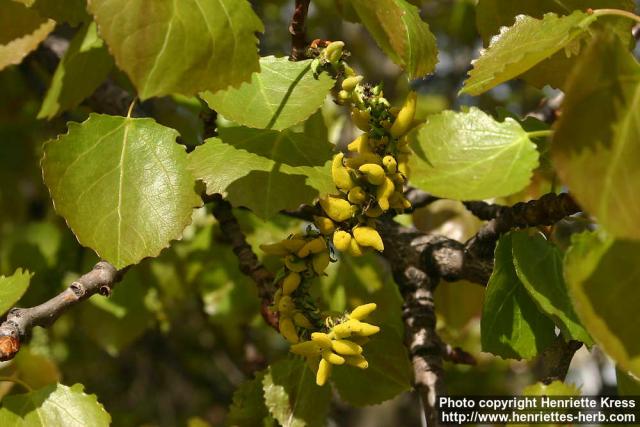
[{"x": 297, "y": 28}]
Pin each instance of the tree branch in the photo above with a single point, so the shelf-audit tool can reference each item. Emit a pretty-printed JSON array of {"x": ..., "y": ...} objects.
[
  {"x": 247, "y": 259},
  {"x": 554, "y": 362},
  {"x": 297, "y": 29},
  {"x": 418, "y": 198},
  {"x": 20, "y": 321}
]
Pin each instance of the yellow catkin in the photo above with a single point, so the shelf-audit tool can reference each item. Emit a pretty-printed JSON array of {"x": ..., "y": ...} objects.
[
  {"x": 341, "y": 177},
  {"x": 354, "y": 248},
  {"x": 294, "y": 244},
  {"x": 322, "y": 339},
  {"x": 364, "y": 158},
  {"x": 288, "y": 330},
  {"x": 331, "y": 357},
  {"x": 333, "y": 52},
  {"x": 357, "y": 195},
  {"x": 360, "y": 145},
  {"x": 295, "y": 264},
  {"x": 274, "y": 249},
  {"x": 374, "y": 211},
  {"x": 374, "y": 173},
  {"x": 324, "y": 370},
  {"x": 320, "y": 262},
  {"x": 312, "y": 247},
  {"x": 341, "y": 240},
  {"x": 358, "y": 361},
  {"x": 367, "y": 329},
  {"x": 336, "y": 208},
  {"x": 404, "y": 119},
  {"x": 361, "y": 118},
  {"x": 291, "y": 283},
  {"x": 325, "y": 225},
  {"x": 362, "y": 311},
  {"x": 383, "y": 192},
  {"x": 390, "y": 164},
  {"x": 306, "y": 348},
  {"x": 346, "y": 347},
  {"x": 286, "y": 306},
  {"x": 350, "y": 83},
  {"x": 345, "y": 329},
  {"x": 368, "y": 236},
  {"x": 301, "y": 320}
]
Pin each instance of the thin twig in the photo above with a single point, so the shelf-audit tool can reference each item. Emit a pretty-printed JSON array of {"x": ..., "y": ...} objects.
[{"x": 297, "y": 28}]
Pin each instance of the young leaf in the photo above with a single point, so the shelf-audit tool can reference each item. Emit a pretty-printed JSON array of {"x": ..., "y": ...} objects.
[
  {"x": 21, "y": 31},
  {"x": 538, "y": 265},
  {"x": 181, "y": 47},
  {"x": 73, "y": 12},
  {"x": 400, "y": 32},
  {"x": 248, "y": 407},
  {"x": 54, "y": 405},
  {"x": 602, "y": 274},
  {"x": 281, "y": 95},
  {"x": 491, "y": 15},
  {"x": 264, "y": 170},
  {"x": 84, "y": 66},
  {"x": 122, "y": 185},
  {"x": 292, "y": 396},
  {"x": 12, "y": 288},
  {"x": 518, "y": 48},
  {"x": 470, "y": 156},
  {"x": 511, "y": 325},
  {"x": 595, "y": 148}
]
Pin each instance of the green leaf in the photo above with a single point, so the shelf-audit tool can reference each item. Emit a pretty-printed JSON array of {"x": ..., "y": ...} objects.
[
  {"x": 85, "y": 65},
  {"x": 555, "y": 388},
  {"x": 281, "y": 95},
  {"x": 21, "y": 31},
  {"x": 538, "y": 264},
  {"x": 12, "y": 288},
  {"x": 602, "y": 274},
  {"x": 493, "y": 14},
  {"x": 248, "y": 407},
  {"x": 181, "y": 47},
  {"x": 595, "y": 147},
  {"x": 35, "y": 369},
  {"x": 400, "y": 32},
  {"x": 470, "y": 156},
  {"x": 627, "y": 384},
  {"x": 122, "y": 185},
  {"x": 518, "y": 48},
  {"x": 264, "y": 170},
  {"x": 511, "y": 325},
  {"x": 73, "y": 12},
  {"x": 363, "y": 280},
  {"x": 53, "y": 405},
  {"x": 292, "y": 396}
]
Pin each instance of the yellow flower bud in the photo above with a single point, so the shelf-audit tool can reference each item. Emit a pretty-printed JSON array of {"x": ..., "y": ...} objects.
[
  {"x": 404, "y": 120},
  {"x": 322, "y": 339},
  {"x": 341, "y": 177},
  {"x": 354, "y": 248},
  {"x": 363, "y": 311},
  {"x": 345, "y": 329},
  {"x": 291, "y": 283},
  {"x": 374, "y": 173},
  {"x": 286, "y": 306},
  {"x": 332, "y": 358},
  {"x": 324, "y": 224},
  {"x": 294, "y": 244},
  {"x": 360, "y": 118},
  {"x": 336, "y": 208},
  {"x": 374, "y": 211},
  {"x": 363, "y": 158},
  {"x": 360, "y": 145},
  {"x": 390, "y": 164},
  {"x": 306, "y": 348},
  {"x": 333, "y": 52},
  {"x": 320, "y": 262},
  {"x": 341, "y": 240},
  {"x": 403, "y": 168},
  {"x": 350, "y": 83},
  {"x": 313, "y": 247},
  {"x": 383, "y": 192},
  {"x": 301, "y": 320},
  {"x": 357, "y": 195},
  {"x": 288, "y": 330},
  {"x": 346, "y": 347},
  {"x": 295, "y": 264},
  {"x": 367, "y": 236},
  {"x": 274, "y": 249},
  {"x": 367, "y": 329},
  {"x": 324, "y": 370},
  {"x": 276, "y": 298},
  {"x": 343, "y": 95},
  {"x": 358, "y": 361}
]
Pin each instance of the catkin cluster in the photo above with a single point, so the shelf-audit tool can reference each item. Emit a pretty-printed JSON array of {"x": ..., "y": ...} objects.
[{"x": 369, "y": 179}]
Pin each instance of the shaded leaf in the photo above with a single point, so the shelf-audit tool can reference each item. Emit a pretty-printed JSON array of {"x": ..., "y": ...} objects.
[
  {"x": 214, "y": 40},
  {"x": 512, "y": 326},
  {"x": 555, "y": 388},
  {"x": 470, "y": 156},
  {"x": 248, "y": 407},
  {"x": 595, "y": 148},
  {"x": 519, "y": 47},
  {"x": 53, "y": 405},
  {"x": 73, "y": 12},
  {"x": 264, "y": 170},
  {"x": 122, "y": 185},
  {"x": 627, "y": 384},
  {"x": 84, "y": 66},
  {"x": 538, "y": 264},
  {"x": 12, "y": 288},
  {"x": 292, "y": 396},
  {"x": 281, "y": 95},
  {"x": 602, "y": 274},
  {"x": 21, "y": 31},
  {"x": 400, "y": 32}
]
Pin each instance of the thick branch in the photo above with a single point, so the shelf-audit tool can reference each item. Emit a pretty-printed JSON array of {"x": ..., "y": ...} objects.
[
  {"x": 297, "y": 28},
  {"x": 247, "y": 259},
  {"x": 418, "y": 198},
  {"x": 20, "y": 321}
]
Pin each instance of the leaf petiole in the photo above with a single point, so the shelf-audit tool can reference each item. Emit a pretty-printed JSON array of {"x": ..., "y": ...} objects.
[
  {"x": 540, "y": 133},
  {"x": 617, "y": 12},
  {"x": 16, "y": 381}
]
